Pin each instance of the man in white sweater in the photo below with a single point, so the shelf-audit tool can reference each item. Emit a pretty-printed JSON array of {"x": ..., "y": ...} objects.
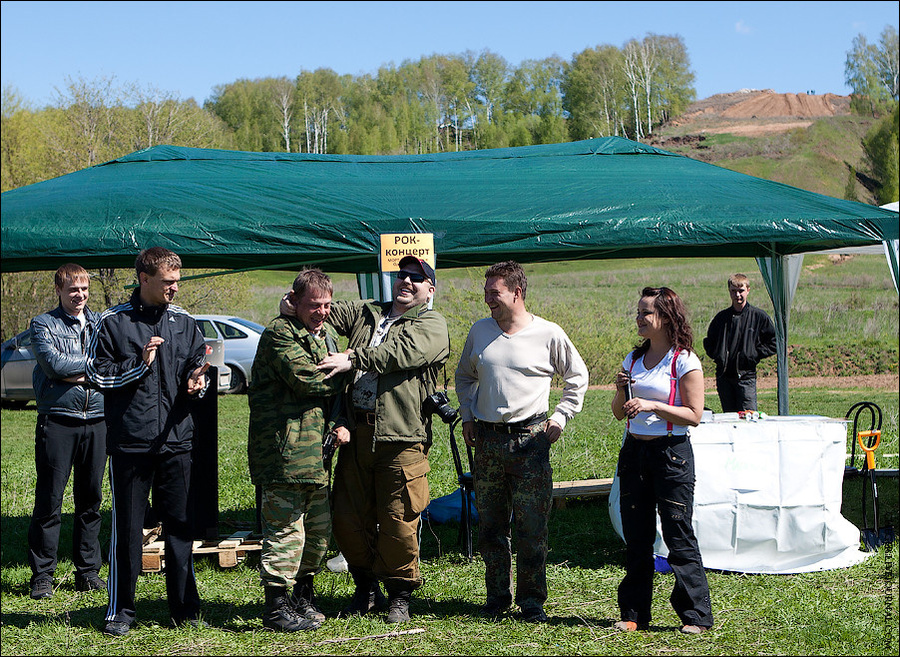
[{"x": 503, "y": 385}]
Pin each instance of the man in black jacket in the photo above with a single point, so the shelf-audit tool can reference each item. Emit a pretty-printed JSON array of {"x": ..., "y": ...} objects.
[
  {"x": 737, "y": 339},
  {"x": 70, "y": 437},
  {"x": 147, "y": 357}
]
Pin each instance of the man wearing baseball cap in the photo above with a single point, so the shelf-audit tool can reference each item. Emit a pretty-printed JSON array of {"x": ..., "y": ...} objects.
[{"x": 380, "y": 485}]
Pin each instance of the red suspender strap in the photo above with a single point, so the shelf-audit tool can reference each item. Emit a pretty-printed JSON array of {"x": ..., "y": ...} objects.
[
  {"x": 630, "y": 367},
  {"x": 673, "y": 383}
]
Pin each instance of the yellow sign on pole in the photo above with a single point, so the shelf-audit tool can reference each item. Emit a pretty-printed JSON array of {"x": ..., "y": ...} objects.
[{"x": 396, "y": 246}]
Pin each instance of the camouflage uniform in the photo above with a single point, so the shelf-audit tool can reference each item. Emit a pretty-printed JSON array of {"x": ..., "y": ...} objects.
[
  {"x": 513, "y": 476},
  {"x": 289, "y": 403}
]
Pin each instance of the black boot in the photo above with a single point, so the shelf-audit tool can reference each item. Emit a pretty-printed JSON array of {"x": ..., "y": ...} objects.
[
  {"x": 303, "y": 601},
  {"x": 367, "y": 595},
  {"x": 398, "y": 602},
  {"x": 280, "y": 615}
]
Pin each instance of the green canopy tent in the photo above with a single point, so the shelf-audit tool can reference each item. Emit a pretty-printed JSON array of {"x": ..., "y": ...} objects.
[{"x": 600, "y": 198}]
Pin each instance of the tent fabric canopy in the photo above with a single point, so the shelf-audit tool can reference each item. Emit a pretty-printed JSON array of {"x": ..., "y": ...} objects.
[{"x": 600, "y": 198}]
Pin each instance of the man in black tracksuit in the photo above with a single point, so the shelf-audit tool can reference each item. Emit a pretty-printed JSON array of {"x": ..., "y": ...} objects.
[
  {"x": 148, "y": 359},
  {"x": 69, "y": 438},
  {"x": 737, "y": 339}
]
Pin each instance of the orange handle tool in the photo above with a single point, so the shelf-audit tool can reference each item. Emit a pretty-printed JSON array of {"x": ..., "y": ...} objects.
[{"x": 870, "y": 451}]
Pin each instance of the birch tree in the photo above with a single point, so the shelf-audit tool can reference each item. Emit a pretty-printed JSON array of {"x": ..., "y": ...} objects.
[
  {"x": 489, "y": 74},
  {"x": 88, "y": 109},
  {"x": 592, "y": 92},
  {"x": 284, "y": 92},
  {"x": 647, "y": 66},
  {"x": 887, "y": 60},
  {"x": 631, "y": 69},
  {"x": 320, "y": 92},
  {"x": 673, "y": 87},
  {"x": 870, "y": 71}
]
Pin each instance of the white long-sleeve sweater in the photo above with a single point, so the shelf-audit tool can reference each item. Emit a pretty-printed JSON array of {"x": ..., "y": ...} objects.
[{"x": 506, "y": 378}]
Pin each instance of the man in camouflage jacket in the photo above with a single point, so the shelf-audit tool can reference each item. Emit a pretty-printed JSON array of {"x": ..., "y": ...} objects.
[{"x": 290, "y": 404}]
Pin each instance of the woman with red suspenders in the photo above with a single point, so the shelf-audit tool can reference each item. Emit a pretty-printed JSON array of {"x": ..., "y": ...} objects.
[{"x": 660, "y": 392}]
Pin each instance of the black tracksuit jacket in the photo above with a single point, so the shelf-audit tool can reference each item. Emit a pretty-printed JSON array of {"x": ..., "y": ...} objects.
[
  {"x": 148, "y": 410},
  {"x": 738, "y": 341}
]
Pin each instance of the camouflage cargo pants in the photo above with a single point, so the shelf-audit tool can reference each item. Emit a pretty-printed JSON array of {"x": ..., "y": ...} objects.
[
  {"x": 513, "y": 477},
  {"x": 296, "y": 528}
]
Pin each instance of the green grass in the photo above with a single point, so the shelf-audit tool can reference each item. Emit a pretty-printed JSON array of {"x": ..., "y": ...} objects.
[
  {"x": 838, "y": 612},
  {"x": 814, "y": 158}
]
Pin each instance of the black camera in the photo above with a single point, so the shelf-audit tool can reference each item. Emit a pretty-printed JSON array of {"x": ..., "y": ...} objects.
[
  {"x": 439, "y": 404},
  {"x": 329, "y": 447}
]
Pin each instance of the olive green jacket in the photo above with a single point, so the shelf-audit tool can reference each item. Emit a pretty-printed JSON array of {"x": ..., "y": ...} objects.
[
  {"x": 290, "y": 402},
  {"x": 407, "y": 362}
]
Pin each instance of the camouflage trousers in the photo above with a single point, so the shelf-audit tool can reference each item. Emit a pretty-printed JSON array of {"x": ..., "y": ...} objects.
[
  {"x": 296, "y": 521},
  {"x": 513, "y": 477}
]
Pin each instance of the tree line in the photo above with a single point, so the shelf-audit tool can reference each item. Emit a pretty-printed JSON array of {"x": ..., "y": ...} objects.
[
  {"x": 437, "y": 103},
  {"x": 434, "y": 104},
  {"x": 462, "y": 102}
]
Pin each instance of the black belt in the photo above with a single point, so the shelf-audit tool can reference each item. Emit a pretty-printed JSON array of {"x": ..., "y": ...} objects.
[
  {"x": 365, "y": 417},
  {"x": 514, "y": 427}
]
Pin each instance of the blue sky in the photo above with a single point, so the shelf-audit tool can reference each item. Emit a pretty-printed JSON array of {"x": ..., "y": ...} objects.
[{"x": 187, "y": 48}]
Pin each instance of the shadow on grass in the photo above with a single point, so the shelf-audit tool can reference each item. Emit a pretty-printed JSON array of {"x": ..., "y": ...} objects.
[
  {"x": 14, "y": 530},
  {"x": 153, "y": 614},
  {"x": 87, "y": 617},
  {"x": 580, "y": 534}
]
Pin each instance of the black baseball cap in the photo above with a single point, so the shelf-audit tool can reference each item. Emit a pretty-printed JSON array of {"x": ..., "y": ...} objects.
[{"x": 428, "y": 269}]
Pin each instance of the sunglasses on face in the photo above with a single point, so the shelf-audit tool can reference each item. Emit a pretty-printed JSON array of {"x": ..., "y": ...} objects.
[{"x": 411, "y": 275}]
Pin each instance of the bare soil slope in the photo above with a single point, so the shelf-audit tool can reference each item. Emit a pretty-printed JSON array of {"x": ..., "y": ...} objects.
[{"x": 753, "y": 112}]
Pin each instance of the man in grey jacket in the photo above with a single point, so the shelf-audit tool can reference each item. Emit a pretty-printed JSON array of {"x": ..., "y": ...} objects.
[{"x": 70, "y": 437}]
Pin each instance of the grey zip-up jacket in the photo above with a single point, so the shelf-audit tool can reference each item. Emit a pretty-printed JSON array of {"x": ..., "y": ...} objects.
[{"x": 60, "y": 347}]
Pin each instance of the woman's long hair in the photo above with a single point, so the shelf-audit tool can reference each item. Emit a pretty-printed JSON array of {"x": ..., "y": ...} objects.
[{"x": 669, "y": 306}]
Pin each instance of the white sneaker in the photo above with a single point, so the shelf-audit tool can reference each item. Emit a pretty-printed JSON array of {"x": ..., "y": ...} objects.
[{"x": 337, "y": 564}]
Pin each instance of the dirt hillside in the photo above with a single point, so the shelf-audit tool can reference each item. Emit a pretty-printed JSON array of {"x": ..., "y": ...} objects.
[{"x": 754, "y": 112}]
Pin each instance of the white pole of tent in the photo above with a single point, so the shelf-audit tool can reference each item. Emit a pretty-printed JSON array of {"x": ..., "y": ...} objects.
[
  {"x": 781, "y": 274},
  {"x": 890, "y": 250}
]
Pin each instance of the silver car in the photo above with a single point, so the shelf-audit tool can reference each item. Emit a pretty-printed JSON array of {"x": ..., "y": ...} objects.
[
  {"x": 241, "y": 337},
  {"x": 17, "y": 364}
]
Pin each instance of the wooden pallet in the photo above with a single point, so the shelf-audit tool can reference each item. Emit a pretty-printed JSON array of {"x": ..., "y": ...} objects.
[
  {"x": 231, "y": 550},
  {"x": 562, "y": 490}
]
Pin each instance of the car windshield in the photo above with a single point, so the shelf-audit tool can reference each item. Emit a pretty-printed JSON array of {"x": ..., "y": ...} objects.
[{"x": 253, "y": 326}]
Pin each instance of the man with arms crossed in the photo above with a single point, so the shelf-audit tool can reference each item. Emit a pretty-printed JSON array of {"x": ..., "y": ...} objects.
[
  {"x": 503, "y": 385},
  {"x": 70, "y": 437},
  {"x": 380, "y": 485},
  {"x": 290, "y": 403},
  {"x": 148, "y": 358}
]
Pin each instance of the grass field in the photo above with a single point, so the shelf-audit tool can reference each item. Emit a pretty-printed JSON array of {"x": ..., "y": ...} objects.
[
  {"x": 814, "y": 158},
  {"x": 844, "y": 319},
  {"x": 839, "y": 612}
]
